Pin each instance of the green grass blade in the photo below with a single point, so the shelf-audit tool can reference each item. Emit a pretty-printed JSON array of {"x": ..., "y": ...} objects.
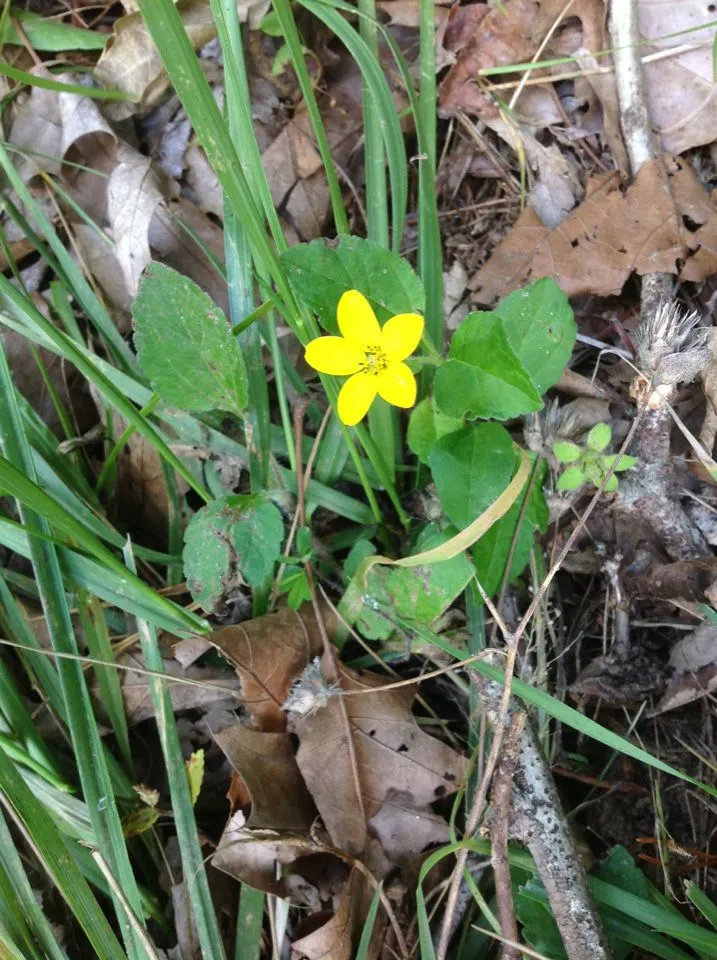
[
  {"x": 699, "y": 898},
  {"x": 21, "y": 723},
  {"x": 381, "y": 92},
  {"x": 52, "y": 852},
  {"x": 16, "y": 484},
  {"x": 285, "y": 16},
  {"x": 365, "y": 942},
  {"x": 250, "y": 921},
  {"x": 33, "y": 80},
  {"x": 99, "y": 647},
  {"x": 24, "y": 900},
  {"x": 70, "y": 270},
  {"x": 195, "y": 876},
  {"x": 32, "y": 317},
  {"x": 86, "y": 742},
  {"x": 430, "y": 261},
  {"x": 166, "y": 29},
  {"x": 96, "y": 579}
]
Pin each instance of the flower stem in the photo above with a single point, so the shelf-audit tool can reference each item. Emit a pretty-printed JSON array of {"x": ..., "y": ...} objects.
[{"x": 382, "y": 472}]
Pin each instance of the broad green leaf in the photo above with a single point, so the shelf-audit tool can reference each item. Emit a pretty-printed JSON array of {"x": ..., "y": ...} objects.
[
  {"x": 490, "y": 553},
  {"x": 566, "y": 452},
  {"x": 471, "y": 468},
  {"x": 320, "y": 272},
  {"x": 538, "y": 322},
  {"x": 44, "y": 33},
  {"x": 240, "y": 532},
  {"x": 621, "y": 871},
  {"x": 415, "y": 593},
  {"x": 540, "y": 931},
  {"x": 599, "y": 437},
  {"x": 426, "y": 425},
  {"x": 571, "y": 479},
  {"x": 484, "y": 377},
  {"x": 185, "y": 345}
]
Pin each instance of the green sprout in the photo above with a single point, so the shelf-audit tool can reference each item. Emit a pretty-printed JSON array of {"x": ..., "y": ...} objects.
[{"x": 590, "y": 464}]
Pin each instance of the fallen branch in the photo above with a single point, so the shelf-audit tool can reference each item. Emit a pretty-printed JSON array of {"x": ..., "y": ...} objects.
[{"x": 538, "y": 821}]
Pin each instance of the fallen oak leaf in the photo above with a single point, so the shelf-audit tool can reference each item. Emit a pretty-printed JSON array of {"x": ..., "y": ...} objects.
[
  {"x": 268, "y": 654},
  {"x": 392, "y": 756},
  {"x": 694, "y": 669},
  {"x": 614, "y": 232}
]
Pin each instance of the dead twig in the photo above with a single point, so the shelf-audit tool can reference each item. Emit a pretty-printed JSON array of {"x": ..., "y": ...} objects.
[
  {"x": 499, "y": 833},
  {"x": 538, "y": 821}
]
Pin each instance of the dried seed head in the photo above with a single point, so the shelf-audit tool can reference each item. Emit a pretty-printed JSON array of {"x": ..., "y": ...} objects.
[
  {"x": 672, "y": 346},
  {"x": 310, "y": 692}
]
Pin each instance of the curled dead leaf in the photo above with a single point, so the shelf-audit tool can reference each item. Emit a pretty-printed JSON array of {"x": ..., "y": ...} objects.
[{"x": 694, "y": 669}]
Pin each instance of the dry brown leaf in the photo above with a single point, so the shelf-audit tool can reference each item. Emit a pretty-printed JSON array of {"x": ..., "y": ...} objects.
[
  {"x": 100, "y": 259},
  {"x": 337, "y": 939},
  {"x": 52, "y": 123},
  {"x": 133, "y": 194},
  {"x": 185, "y": 696},
  {"x": 404, "y": 830},
  {"x": 268, "y": 653},
  {"x": 392, "y": 755},
  {"x": 694, "y": 665},
  {"x": 681, "y": 90},
  {"x": 510, "y": 33},
  {"x": 614, "y": 232},
  {"x": 131, "y": 62}
]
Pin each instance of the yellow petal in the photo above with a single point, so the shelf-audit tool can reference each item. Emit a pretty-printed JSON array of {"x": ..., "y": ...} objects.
[
  {"x": 397, "y": 385},
  {"x": 355, "y": 397},
  {"x": 357, "y": 321},
  {"x": 333, "y": 355},
  {"x": 401, "y": 335}
]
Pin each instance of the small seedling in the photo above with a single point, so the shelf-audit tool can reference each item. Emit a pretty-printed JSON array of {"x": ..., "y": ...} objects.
[{"x": 590, "y": 464}]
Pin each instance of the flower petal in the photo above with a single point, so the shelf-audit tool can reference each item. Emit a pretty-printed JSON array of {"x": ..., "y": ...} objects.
[
  {"x": 357, "y": 321},
  {"x": 401, "y": 335},
  {"x": 397, "y": 385},
  {"x": 355, "y": 397},
  {"x": 333, "y": 355}
]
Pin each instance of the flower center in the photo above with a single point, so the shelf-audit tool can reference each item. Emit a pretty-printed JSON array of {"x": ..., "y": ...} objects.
[{"x": 375, "y": 360}]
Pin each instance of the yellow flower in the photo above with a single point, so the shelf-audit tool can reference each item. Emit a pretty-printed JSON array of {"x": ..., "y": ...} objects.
[{"x": 372, "y": 357}]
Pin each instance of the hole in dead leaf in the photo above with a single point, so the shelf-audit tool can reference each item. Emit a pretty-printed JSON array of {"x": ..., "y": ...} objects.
[
  {"x": 440, "y": 791},
  {"x": 622, "y": 249},
  {"x": 691, "y": 224},
  {"x": 711, "y": 8},
  {"x": 402, "y": 749},
  {"x": 372, "y": 733},
  {"x": 450, "y": 777},
  {"x": 575, "y": 242}
]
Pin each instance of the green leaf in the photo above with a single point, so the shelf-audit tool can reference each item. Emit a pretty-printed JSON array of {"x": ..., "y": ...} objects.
[
  {"x": 599, "y": 437},
  {"x": 622, "y": 463},
  {"x": 484, "y": 377},
  {"x": 320, "y": 272},
  {"x": 571, "y": 479},
  {"x": 490, "y": 553},
  {"x": 566, "y": 452},
  {"x": 270, "y": 25},
  {"x": 538, "y": 322},
  {"x": 195, "y": 774},
  {"x": 540, "y": 931},
  {"x": 471, "y": 468},
  {"x": 185, "y": 345},
  {"x": 415, "y": 593},
  {"x": 426, "y": 425},
  {"x": 243, "y": 532},
  {"x": 52, "y": 35},
  {"x": 620, "y": 870},
  {"x": 612, "y": 484}
]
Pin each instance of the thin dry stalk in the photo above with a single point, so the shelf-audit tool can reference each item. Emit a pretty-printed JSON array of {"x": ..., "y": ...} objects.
[{"x": 499, "y": 832}]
